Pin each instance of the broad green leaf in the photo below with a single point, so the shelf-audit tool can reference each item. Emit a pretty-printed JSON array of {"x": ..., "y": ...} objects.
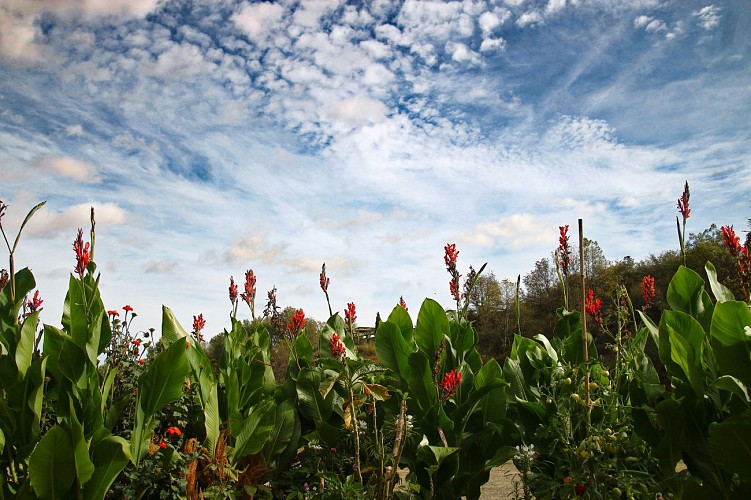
[
  {"x": 654, "y": 330},
  {"x": 513, "y": 374},
  {"x": 54, "y": 339},
  {"x": 107, "y": 387},
  {"x": 311, "y": 403},
  {"x": 434, "y": 455},
  {"x": 51, "y": 466},
  {"x": 9, "y": 312},
  {"x": 732, "y": 384},
  {"x": 421, "y": 384},
  {"x": 84, "y": 466},
  {"x": 111, "y": 455},
  {"x": 721, "y": 292},
  {"x": 171, "y": 328},
  {"x": 304, "y": 348},
  {"x": 401, "y": 319},
  {"x": 25, "y": 345},
  {"x": 282, "y": 434},
  {"x": 685, "y": 290},
  {"x": 729, "y": 322},
  {"x": 202, "y": 372},
  {"x": 392, "y": 350},
  {"x": 681, "y": 347},
  {"x": 730, "y": 444},
  {"x": 256, "y": 429},
  {"x": 163, "y": 382},
  {"x": 549, "y": 348},
  {"x": 432, "y": 325},
  {"x": 494, "y": 405}
]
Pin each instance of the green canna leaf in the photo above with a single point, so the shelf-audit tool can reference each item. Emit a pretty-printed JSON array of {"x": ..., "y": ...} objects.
[{"x": 52, "y": 468}]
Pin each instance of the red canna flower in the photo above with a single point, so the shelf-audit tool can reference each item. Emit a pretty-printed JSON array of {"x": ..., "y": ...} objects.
[
  {"x": 593, "y": 306},
  {"x": 136, "y": 342},
  {"x": 232, "y": 290},
  {"x": 249, "y": 295},
  {"x": 36, "y": 302},
  {"x": 174, "y": 431},
  {"x": 113, "y": 313},
  {"x": 296, "y": 323},
  {"x": 350, "y": 314},
  {"x": 83, "y": 254},
  {"x": 741, "y": 255},
  {"x": 337, "y": 348},
  {"x": 449, "y": 257},
  {"x": 564, "y": 249},
  {"x": 324, "y": 281},
  {"x": 402, "y": 303},
  {"x": 198, "y": 324},
  {"x": 127, "y": 308},
  {"x": 648, "y": 290},
  {"x": 451, "y": 383},
  {"x": 731, "y": 240},
  {"x": 683, "y": 208},
  {"x": 163, "y": 446}
]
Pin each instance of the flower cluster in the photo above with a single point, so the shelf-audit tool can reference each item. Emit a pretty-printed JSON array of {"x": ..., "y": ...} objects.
[
  {"x": 451, "y": 383},
  {"x": 449, "y": 257},
  {"x": 324, "y": 281},
  {"x": 249, "y": 295},
  {"x": 83, "y": 254},
  {"x": 683, "y": 208},
  {"x": 198, "y": 324},
  {"x": 402, "y": 303},
  {"x": 564, "y": 250},
  {"x": 232, "y": 290},
  {"x": 296, "y": 323},
  {"x": 350, "y": 315},
  {"x": 35, "y": 303},
  {"x": 593, "y": 306},
  {"x": 648, "y": 290},
  {"x": 337, "y": 348},
  {"x": 741, "y": 255}
]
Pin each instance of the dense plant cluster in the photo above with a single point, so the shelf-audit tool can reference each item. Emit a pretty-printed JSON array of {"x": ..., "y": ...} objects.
[{"x": 95, "y": 409}]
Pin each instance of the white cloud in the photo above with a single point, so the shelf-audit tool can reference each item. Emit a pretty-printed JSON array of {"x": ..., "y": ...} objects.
[
  {"x": 514, "y": 232},
  {"x": 357, "y": 110},
  {"x": 74, "y": 130},
  {"x": 530, "y": 18},
  {"x": 258, "y": 20},
  {"x": 462, "y": 54},
  {"x": 708, "y": 17},
  {"x": 47, "y": 222},
  {"x": 67, "y": 167},
  {"x": 489, "y": 21},
  {"x": 554, "y": 6},
  {"x": 180, "y": 61},
  {"x": 491, "y": 44}
]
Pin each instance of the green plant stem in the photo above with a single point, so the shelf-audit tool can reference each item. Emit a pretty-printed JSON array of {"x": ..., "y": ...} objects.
[{"x": 353, "y": 414}]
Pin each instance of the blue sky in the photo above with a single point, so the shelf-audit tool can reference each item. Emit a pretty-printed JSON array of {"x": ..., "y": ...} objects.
[{"x": 217, "y": 136}]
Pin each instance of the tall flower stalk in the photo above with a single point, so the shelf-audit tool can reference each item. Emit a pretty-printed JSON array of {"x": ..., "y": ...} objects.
[
  {"x": 563, "y": 261},
  {"x": 449, "y": 257},
  {"x": 249, "y": 295},
  {"x": 324, "y": 282},
  {"x": 685, "y": 211}
]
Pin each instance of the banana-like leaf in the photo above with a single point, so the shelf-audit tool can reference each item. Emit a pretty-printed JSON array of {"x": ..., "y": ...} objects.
[
  {"x": 25, "y": 344},
  {"x": 52, "y": 469},
  {"x": 111, "y": 455},
  {"x": 171, "y": 328},
  {"x": 84, "y": 466},
  {"x": 432, "y": 326},
  {"x": 255, "y": 431}
]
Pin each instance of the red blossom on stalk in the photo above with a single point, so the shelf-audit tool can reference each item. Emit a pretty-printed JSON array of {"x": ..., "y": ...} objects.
[
  {"x": 580, "y": 489},
  {"x": 296, "y": 323},
  {"x": 127, "y": 308},
  {"x": 451, "y": 383},
  {"x": 337, "y": 348},
  {"x": 593, "y": 306},
  {"x": 402, "y": 303},
  {"x": 323, "y": 280},
  {"x": 449, "y": 257},
  {"x": 683, "y": 208},
  {"x": 136, "y": 342},
  {"x": 564, "y": 249},
  {"x": 648, "y": 290},
  {"x": 232, "y": 290},
  {"x": 350, "y": 315},
  {"x": 249, "y": 295},
  {"x": 141, "y": 361},
  {"x": 36, "y": 302},
  {"x": 741, "y": 255},
  {"x": 731, "y": 240},
  {"x": 174, "y": 431},
  {"x": 113, "y": 312},
  {"x": 83, "y": 254},
  {"x": 198, "y": 324},
  {"x": 163, "y": 446}
]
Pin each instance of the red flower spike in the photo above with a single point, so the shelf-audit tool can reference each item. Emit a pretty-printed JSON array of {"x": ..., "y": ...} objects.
[
  {"x": 232, "y": 290},
  {"x": 83, "y": 254},
  {"x": 451, "y": 383},
  {"x": 297, "y": 322},
  {"x": 113, "y": 313},
  {"x": 451, "y": 254},
  {"x": 136, "y": 342},
  {"x": 141, "y": 361},
  {"x": 198, "y": 323},
  {"x": 648, "y": 290},
  {"x": 403, "y": 304},
  {"x": 683, "y": 208},
  {"x": 36, "y": 302},
  {"x": 249, "y": 294},
  {"x": 593, "y": 306},
  {"x": 350, "y": 314},
  {"x": 731, "y": 240},
  {"x": 323, "y": 280},
  {"x": 337, "y": 348},
  {"x": 564, "y": 250}
]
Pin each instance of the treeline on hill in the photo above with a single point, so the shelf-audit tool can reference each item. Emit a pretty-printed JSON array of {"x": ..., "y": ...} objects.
[{"x": 492, "y": 305}]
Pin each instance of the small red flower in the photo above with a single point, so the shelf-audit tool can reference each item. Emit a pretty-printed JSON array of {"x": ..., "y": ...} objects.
[
  {"x": 350, "y": 314},
  {"x": 567, "y": 480},
  {"x": 187, "y": 345},
  {"x": 564, "y": 250},
  {"x": 232, "y": 290},
  {"x": 648, "y": 289},
  {"x": 296, "y": 323},
  {"x": 323, "y": 280},
  {"x": 580, "y": 489},
  {"x": 402, "y": 303},
  {"x": 683, "y": 208},
  {"x": 198, "y": 323},
  {"x": 451, "y": 383},
  {"x": 36, "y": 302},
  {"x": 174, "y": 431},
  {"x": 83, "y": 254},
  {"x": 127, "y": 308},
  {"x": 249, "y": 294},
  {"x": 450, "y": 255},
  {"x": 593, "y": 306},
  {"x": 136, "y": 342},
  {"x": 113, "y": 313},
  {"x": 163, "y": 446},
  {"x": 141, "y": 361},
  {"x": 731, "y": 240},
  {"x": 337, "y": 348}
]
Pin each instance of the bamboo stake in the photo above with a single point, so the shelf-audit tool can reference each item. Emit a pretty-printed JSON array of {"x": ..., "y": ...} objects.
[{"x": 585, "y": 343}]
